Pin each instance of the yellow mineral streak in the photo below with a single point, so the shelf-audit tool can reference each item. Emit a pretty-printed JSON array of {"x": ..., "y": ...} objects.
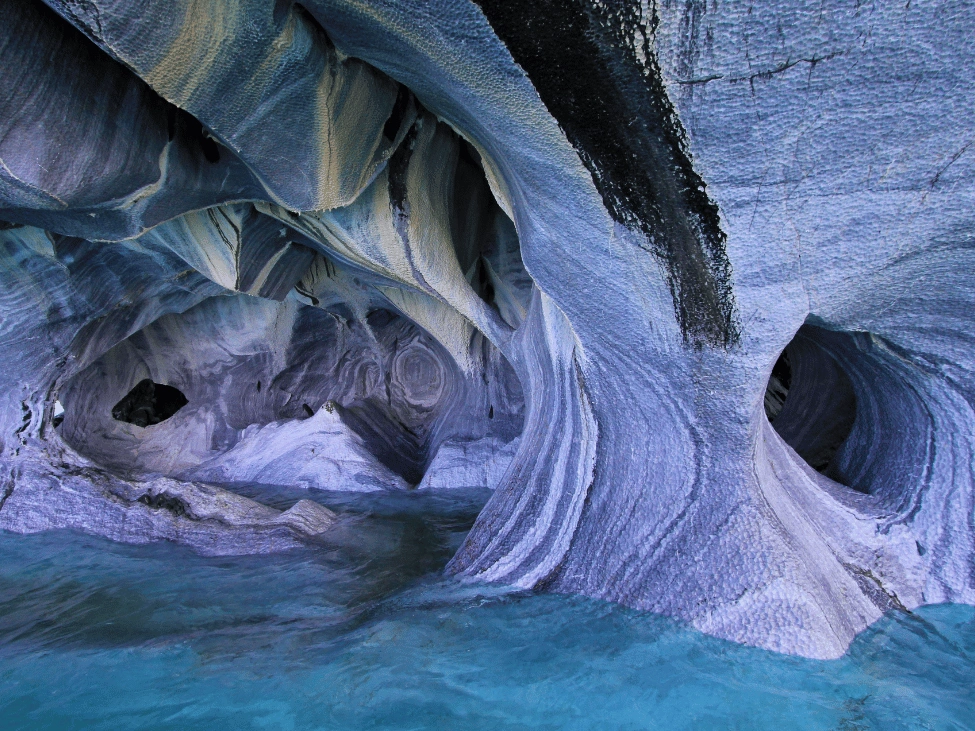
[
  {"x": 353, "y": 104},
  {"x": 207, "y": 240},
  {"x": 197, "y": 52}
]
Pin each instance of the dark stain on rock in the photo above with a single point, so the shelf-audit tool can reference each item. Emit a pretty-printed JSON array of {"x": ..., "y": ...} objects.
[
  {"x": 884, "y": 599},
  {"x": 594, "y": 67},
  {"x": 399, "y": 164},
  {"x": 162, "y": 501},
  {"x": 689, "y": 46}
]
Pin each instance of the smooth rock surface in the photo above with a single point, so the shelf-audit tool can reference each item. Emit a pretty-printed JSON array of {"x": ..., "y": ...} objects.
[
  {"x": 477, "y": 463},
  {"x": 593, "y": 227}
]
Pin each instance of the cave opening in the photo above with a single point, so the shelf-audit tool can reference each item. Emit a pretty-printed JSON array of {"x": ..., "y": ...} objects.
[
  {"x": 149, "y": 403},
  {"x": 343, "y": 404},
  {"x": 314, "y": 357},
  {"x": 810, "y": 400},
  {"x": 57, "y": 415}
]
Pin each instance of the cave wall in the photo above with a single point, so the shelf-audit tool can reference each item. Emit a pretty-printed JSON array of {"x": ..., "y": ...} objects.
[
  {"x": 390, "y": 393},
  {"x": 707, "y": 514},
  {"x": 744, "y": 171}
]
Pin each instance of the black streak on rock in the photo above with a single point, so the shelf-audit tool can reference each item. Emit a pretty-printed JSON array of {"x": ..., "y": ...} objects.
[
  {"x": 396, "y": 117},
  {"x": 585, "y": 61},
  {"x": 690, "y": 30},
  {"x": 399, "y": 164}
]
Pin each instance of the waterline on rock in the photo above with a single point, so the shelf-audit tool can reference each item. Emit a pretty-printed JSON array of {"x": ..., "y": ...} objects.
[{"x": 364, "y": 631}]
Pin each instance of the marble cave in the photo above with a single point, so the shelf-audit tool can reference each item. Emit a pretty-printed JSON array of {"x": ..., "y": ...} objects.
[{"x": 688, "y": 286}]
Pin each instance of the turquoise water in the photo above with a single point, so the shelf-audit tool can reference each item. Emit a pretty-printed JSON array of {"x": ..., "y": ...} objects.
[{"x": 362, "y": 632}]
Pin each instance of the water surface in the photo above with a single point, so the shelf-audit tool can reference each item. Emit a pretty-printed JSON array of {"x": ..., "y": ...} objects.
[{"x": 363, "y": 632}]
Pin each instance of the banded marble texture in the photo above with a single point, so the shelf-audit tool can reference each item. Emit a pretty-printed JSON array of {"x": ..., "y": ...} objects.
[{"x": 384, "y": 245}]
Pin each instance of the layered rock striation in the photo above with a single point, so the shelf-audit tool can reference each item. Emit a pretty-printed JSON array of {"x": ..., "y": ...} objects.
[{"x": 687, "y": 284}]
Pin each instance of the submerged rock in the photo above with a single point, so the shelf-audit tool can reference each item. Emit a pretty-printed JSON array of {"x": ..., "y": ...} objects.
[
  {"x": 555, "y": 249},
  {"x": 68, "y": 492}
]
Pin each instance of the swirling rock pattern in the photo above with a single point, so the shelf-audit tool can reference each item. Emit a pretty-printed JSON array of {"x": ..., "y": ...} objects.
[{"x": 555, "y": 249}]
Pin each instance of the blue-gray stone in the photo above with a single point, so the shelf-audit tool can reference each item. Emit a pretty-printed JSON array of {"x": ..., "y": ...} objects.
[{"x": 554, "y": 249}]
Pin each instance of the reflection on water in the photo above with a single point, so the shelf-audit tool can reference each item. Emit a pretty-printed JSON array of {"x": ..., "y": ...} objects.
[{"x": 362, "y": 631}]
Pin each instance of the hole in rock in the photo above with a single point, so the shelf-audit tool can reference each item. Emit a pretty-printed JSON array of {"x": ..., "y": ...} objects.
[
  {"x": 810, "y": 400},
  {"x": 149, "y": 403},
  {"x": 194, "y": 131},
  {"x": 162, "y": 501},
  {"x": 398, "y": 114},
  {"x": 58, "y": 415},
  {"x": 345, "y": 402}
]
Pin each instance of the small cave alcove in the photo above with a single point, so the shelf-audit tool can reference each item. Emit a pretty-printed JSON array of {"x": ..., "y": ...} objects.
[
  {"x": 149, "y": 403},
  {"x": 486, "y": 242},
  {"x": 289, "y": 393},
  {"x": 810, "y": 400}
]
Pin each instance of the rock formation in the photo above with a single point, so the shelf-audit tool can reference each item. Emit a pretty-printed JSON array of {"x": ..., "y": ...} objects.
[{"x": 687, "y": 284}]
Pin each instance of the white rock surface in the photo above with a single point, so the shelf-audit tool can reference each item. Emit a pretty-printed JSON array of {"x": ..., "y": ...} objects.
[
  {"x": 320, "y": 452},
  {"x": 476, "y": 463}
]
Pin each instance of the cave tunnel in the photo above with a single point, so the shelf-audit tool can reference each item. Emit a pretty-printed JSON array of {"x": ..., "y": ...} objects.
[
  {"x": 810, "y": 400},
  {"x": 378, "y": 395},
  {"x": 848, "y": 403},
  {"x": 148, "y": 403}
]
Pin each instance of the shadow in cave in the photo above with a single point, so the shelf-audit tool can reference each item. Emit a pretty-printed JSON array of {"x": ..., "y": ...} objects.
[
  {"x": 810, "y": 400},
  {"x": 392, "y": 442},
  {"x": 149, "y": 403},
  {"x": 485, "y": 240}
]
